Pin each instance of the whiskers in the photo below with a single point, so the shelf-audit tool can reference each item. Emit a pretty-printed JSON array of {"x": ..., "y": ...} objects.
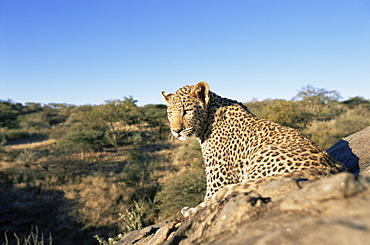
[
  {"x": 185, "y": 134},
  {"x": 170, "y": 136}
]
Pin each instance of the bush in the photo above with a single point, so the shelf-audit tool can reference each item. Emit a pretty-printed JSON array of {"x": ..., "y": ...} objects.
[
  {"x": 57, "y": 119},
  {"x": 33, "y": 120},
  {"x": 27, "y": 157},
  {"x": 134, "y": 175},
  {"x": 327, "y": 133},
  {"x": 2, "y": 137},
  {"x": 190, "y": 155},
  {"x": 83, "y": 138},
  {"x": 286, "y": 113},
  {"x": 134, "y": 217},
  {"x": 15, "y": 134},
  {"x": 186, "y": 189},
  {"x": 135, "y": 137}
]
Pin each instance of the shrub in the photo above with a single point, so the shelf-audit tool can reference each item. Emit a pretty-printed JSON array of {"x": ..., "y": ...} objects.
[
  {"x": 187, "y": 188},
  {"x": 15, "y": 134},
  {"x": 134, "y": 217},
  {"x": 27, "y": 157},
  {"x": 327, "y": 133},
  {"x": 136, "y": 137},
  {"x": 285, "y": 113},
  {"x": 134, "y": 174},
  {"x": 57, "y": 119},
  {"x": 83, "y": 138},
  {"x": 190, "y": 155},
  {"x": 33, "y": 120},
  {"x": 2, "y": 137}
]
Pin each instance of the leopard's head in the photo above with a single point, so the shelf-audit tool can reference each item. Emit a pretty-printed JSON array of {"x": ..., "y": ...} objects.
[{"x": 186, "y": 110}]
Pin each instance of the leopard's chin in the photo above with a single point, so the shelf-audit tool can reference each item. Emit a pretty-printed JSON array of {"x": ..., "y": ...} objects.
[
  {"x": 183, "y": 135},
  {"x": 180, "y": 136}
]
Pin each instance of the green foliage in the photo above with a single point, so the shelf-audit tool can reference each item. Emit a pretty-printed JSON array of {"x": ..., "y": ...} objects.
[
  {"x": 33, "y": 120},
  {"x": 190, "y": 155},
  {"x": 32, "y": 107},
  {"x": 314, "y": 100},
  {"x": 137, "y": 171},
  {"x": 2, "y": 137},
  {"x": 286, "y": 113},
  {"x": 317, "y": 113},
  {"x": 327, "y": 133},
  {"x": 135, "y": 137},
  {"x": 15, "y": 134},
  {"x": 156, "y": 117},
  {"x": 86, "y": 115},
  {"x": 187, "y": 188},
  {"x": 317, "y": 96},
  {"x": 114, "y": 113},
  {"x": 101, "y": 241},
  {"x": 83, "y": 138},
  {"x": 27, "y": 157},
  {"x": 137, "y": 175},
  {"x": 355, "y": 101},
  {"x": 9, "y": 112},
  {"x": 134, "y": 217},
  {"x": 110, "y": 241},
  {"x": 56, "y": 119},
  {"x": 115, "y": 117},
  {"x": 15, "y": 115},
  {"x": 8, "y": 118},
  {"x": 134, "y": 174}
]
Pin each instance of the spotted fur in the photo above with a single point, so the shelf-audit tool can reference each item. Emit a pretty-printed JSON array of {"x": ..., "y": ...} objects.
[{"x": 240, "y": 147}]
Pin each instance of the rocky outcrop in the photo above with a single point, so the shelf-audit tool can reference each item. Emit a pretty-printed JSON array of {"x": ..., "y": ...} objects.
[
  {"x": 354, "y": 151},
  {"x": 334, "y": 210}
]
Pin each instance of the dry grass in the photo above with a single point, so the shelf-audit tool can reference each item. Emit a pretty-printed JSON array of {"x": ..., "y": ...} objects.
[
  {"x": 76, "y": 197},
  {"x": 34, "y": 238},
  {"x": 34, "y": 145}
]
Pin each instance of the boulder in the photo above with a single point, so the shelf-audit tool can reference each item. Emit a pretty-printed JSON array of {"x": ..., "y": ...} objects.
[
  {"x": 332, "y": 210},
  {"x": 354, "y": 151}
]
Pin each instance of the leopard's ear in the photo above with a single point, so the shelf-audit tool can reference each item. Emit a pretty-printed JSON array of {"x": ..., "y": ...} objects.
[
  {"x": 201, "y": 92},
  {"x": 166, "y": 97}
]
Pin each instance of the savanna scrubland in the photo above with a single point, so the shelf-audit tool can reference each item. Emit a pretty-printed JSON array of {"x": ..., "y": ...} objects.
[{"x": 83, "y": 174}]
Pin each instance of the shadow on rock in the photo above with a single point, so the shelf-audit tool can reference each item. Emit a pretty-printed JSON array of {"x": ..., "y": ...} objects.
[
  {"x": 353, "y": 151},
  {"x": 342, "y": 152}
]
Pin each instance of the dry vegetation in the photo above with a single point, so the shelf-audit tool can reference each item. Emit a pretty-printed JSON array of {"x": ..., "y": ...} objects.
[
  {"x": 83, "y": 174},
  {"x": 76, "y": 197}
]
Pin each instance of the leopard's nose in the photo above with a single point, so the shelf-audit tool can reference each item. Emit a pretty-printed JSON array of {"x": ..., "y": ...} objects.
[{"x": 177, "y": 131}]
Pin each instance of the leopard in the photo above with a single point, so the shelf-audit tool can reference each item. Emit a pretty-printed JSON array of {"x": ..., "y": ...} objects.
[{"x": 238, "y": 146}]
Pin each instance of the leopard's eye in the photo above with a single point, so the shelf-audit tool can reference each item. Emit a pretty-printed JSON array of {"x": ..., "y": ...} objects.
[{"x": 186, "y": 112}]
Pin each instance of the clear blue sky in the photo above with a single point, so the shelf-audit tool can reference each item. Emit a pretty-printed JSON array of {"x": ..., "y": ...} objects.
[{"x": 86, "y": 52}]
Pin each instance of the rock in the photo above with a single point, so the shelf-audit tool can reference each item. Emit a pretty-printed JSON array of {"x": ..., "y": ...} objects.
[
  {"x": 354, "y": 151},
  {"x": 334, "y": 210},
  {"x": 338, "y": 187},
  {"x": 151, "y": 235},
  {"x": 288, "y": 211}
]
